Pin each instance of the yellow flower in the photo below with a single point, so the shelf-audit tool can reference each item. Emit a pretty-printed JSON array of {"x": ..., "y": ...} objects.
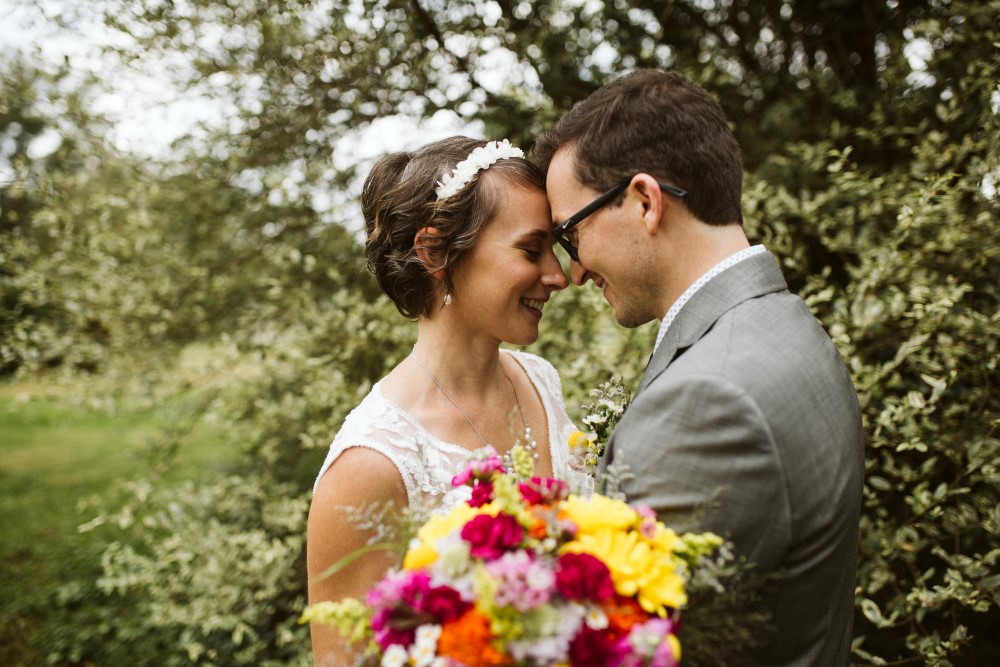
[
  {"x": 623, "y": 553},
  {"x": 578, "y": 439},
  {"x": 424, "y": 552},
  {"x": 664, "y": 589},
  {"x": 675, "y": 646},
  {"x": 638, "y": 567},
  {"x": 664, "y": 539},
  {"x": 590, "y": 515}
]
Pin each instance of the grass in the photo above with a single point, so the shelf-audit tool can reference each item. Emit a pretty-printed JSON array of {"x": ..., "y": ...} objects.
[{"x": 60, "y": 463}]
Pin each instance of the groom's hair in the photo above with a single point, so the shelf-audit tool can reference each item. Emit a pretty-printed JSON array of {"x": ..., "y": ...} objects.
[
  {"x": 658, "y": 123},
  {"x": 399, "y": 199}
]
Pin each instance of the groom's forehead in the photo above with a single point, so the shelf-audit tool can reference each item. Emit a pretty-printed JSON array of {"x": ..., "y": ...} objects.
[{"x": 563, "y": 188}]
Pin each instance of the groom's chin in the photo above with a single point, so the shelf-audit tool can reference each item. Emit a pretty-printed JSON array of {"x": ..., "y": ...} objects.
[{"x": 630, "y": 319}]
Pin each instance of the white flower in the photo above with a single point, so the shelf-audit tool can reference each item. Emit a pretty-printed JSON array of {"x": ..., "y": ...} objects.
[
  {"x": 423, "y": 656},
  {"x": 427, "y": 635},
  {"x": 596, "y": 619},
  {"x": 479, "y": 159},
  {"x": 540, "y": 577},
  {"x": 453, "y": 557},
  {"x": 395, "y": 656}
]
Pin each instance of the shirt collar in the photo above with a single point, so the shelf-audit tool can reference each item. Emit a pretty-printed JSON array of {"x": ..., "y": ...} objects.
[{"x": 732, "y": 260}]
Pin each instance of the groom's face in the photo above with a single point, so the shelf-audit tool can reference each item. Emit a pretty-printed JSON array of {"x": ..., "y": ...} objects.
[{"x": 611, "y": 252}]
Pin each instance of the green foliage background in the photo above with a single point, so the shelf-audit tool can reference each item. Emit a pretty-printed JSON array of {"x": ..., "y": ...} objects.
[{"x": 874, "y": 182}]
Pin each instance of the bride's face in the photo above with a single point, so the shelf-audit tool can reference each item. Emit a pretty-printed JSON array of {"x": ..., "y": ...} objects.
[{"x": 502, "y": 286}]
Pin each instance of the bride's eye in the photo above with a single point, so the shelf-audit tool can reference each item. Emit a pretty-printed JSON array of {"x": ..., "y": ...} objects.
[{"x": 534, "y": 254}]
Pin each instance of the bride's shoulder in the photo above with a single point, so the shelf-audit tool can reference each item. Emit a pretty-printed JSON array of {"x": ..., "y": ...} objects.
[
  {"x": 532, "y": 361},
  {"x": 374, "y": 409},
  {"x": 537, "y": 367},
  {"x": 360, "y": 473}
]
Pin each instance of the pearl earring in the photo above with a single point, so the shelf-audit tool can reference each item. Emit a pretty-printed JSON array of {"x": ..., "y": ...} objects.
[{"x": 448, "y": 299}]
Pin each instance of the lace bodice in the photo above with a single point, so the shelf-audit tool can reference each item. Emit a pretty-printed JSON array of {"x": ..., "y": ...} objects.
[{"x": 427, "y": 463}]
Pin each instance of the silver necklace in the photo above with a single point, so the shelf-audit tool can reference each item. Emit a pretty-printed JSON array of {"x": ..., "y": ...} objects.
[{"x": 529, "y": 443}]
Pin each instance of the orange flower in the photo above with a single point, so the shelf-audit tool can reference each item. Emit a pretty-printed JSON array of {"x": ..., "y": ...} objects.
[
  {"x": 622, "y": 614},
  {"x": 539, "y": 529},
  {"x": 468, "y": 640}
]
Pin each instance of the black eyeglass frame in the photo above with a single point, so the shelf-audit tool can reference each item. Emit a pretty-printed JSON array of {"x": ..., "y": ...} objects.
[{"x": 559, "y": 232}]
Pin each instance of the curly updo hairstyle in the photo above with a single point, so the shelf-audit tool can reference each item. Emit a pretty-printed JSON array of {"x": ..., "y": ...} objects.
[{"x": 399, "y": 199}]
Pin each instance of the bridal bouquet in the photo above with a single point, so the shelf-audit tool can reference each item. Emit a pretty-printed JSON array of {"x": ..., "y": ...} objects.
[{"x": 526, "y": 574}]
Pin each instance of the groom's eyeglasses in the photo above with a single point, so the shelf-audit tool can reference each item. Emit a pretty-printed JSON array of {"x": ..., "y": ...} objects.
[{"x": 565, "y": 233}]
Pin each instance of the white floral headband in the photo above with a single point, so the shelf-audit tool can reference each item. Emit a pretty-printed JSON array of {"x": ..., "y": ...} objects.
[{"x": 479, "y": 159}]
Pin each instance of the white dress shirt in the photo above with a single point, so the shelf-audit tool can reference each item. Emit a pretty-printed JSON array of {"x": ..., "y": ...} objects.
[{"x": 732, "y": 260}]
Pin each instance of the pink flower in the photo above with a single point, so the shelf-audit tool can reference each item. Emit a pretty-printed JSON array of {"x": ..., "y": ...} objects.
[
  {"x": 491, "y": 536},
  {"x": 479, "y": 469},
  {"x": 648, "y": 525},
  {"x": 583, "y": 577},
  {"x": 645, "y": 511},
  {"x": 389, "y": 591},
  {"x": 543, "y": 490},
  {"x": 646, "y": 645},
  {"x": 523, "y": 582}
]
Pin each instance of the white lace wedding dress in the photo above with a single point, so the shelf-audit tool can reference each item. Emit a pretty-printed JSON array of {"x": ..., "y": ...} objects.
[{"x": 425, "y": 462}]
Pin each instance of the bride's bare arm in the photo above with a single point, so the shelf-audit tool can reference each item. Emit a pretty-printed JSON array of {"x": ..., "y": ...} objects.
[{"x": 358, "y": 478}]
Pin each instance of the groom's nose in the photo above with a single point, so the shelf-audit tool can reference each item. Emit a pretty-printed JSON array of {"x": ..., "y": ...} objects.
[{"x": 578, "y": 272}]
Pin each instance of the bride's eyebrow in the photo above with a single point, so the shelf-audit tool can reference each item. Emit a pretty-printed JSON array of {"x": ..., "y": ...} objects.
[{"x": 540, "y": 234}]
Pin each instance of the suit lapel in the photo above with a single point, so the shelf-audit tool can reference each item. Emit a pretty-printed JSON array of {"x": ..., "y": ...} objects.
[{"x": 751, "y": 278}]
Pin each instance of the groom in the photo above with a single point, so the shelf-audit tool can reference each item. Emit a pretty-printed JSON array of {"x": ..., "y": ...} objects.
[{"x": 745, "y": 422}]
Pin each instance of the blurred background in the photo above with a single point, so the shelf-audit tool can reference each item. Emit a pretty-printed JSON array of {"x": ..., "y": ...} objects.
[{"x": 185, "y": 318}]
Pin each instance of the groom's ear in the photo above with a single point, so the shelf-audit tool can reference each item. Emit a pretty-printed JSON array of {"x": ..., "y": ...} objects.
[
  {"x": 425, "y": 245},
  {"x": 650, "y": 197}
]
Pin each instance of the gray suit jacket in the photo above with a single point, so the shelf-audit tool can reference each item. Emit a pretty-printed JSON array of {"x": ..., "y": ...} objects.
[{"x": 746, "y": 424}]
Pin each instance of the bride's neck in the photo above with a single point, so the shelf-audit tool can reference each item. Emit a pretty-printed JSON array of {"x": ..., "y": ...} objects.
[{"x": 463, "y": 363}]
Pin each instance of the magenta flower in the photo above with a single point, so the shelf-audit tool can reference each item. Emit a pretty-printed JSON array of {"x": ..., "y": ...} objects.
[
  {"x": 443, "y": 603},
  {"x": 491, "y": 536},
  {"x": 583, "y": 577},
  {"x": 589, "y": 648},
  {"x": 403, "y": 601},
  {"x": 389, "y": 630},
  {"x": 543, "y": 491},
  {"x": 482, "y": 493}
]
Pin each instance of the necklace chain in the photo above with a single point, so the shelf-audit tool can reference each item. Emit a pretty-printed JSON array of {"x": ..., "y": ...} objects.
[{"x": 530, "y": 444}]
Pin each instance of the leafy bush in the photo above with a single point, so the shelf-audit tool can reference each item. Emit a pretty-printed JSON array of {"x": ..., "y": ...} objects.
[
  {"x": 240, "y": 540},
  {"x": 873, "y": 181}
]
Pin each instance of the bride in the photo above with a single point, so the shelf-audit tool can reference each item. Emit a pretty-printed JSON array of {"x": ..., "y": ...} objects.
[{"x": 460, "y": 238}]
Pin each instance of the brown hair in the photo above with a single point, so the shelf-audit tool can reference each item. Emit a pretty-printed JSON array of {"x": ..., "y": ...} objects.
[
  {"x": 658, "y": 123},
  {"x": 399, "y": 199}
]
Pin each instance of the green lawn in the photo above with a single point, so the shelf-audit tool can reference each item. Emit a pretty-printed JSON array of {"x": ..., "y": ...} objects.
[{"x": 59, "y": 464}]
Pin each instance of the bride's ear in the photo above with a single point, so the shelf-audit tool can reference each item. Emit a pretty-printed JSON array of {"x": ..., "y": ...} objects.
[{"x": 423, "y": 246}]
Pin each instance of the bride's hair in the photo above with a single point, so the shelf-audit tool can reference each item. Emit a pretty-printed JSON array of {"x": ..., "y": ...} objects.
[{"x": 399, "y": 199}]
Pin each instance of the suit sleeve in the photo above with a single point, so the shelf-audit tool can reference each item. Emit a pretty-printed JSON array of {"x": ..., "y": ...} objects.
[{"x": 700, "y": 453}]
